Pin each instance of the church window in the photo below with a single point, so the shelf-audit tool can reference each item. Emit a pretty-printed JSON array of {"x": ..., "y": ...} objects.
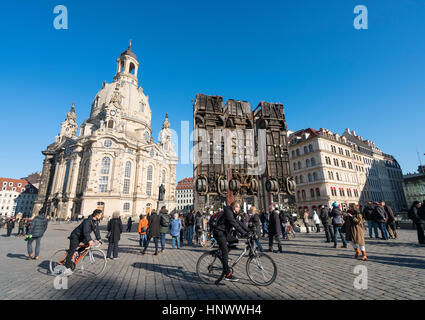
[
  {"x": 106, "y": 162},
  {"x": 127, "y": 169},
  {"x": 163, "y": 176},
  {"x": 103, "y": 183},
  {"x": 126, "y": 207},
  {"x": 152, "y": 153},
  {"x": 149, "y": 181},
  {"x": 132, "y": 68},
  {"x": 107, "y": 143},
  {"x": 110, "y": 124},
  {"x": 126, "y": 188}
]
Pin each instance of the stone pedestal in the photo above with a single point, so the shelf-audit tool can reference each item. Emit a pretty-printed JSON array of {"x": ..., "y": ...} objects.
[{"x": 159, "y": 204}]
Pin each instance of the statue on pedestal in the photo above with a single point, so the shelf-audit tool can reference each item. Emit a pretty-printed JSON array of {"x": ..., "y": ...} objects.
[{"x": 161, "y": 193}]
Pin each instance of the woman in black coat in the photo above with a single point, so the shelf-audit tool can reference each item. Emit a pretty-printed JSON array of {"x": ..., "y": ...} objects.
[
  {"x": 154, "y": 226},
  {"x": 114, "y": 231},
  {"x": 275, "y": 230},
  {"x": 255, "y": 225}
]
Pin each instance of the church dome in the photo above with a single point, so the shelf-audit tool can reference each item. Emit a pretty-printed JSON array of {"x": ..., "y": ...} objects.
[{"x": 129, "y": 52}]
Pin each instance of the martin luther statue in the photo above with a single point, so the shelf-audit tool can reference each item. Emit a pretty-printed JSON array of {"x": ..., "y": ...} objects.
[{"x": 161, "y": 193}]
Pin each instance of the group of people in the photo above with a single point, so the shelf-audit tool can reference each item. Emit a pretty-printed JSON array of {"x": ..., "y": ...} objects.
[{"x": 10, "y": 223}]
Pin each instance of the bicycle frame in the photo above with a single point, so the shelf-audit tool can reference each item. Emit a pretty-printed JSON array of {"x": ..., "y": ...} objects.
[
  {"x": 249, "y": 247},
  {"x": 82, "y": 254}
]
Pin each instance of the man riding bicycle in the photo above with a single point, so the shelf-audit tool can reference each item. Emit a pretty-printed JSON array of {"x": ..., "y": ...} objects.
[
  {"x": 223, "y": 234},
  {"x": 82, "y": 234}
]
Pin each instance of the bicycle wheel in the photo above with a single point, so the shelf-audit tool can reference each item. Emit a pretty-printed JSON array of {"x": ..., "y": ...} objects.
[
  {"x": 261, "y": 269},
  {"x": 210, "y": 268},
  {"x": 93, "y": 263},
  {"x": 57, "y": 259}
]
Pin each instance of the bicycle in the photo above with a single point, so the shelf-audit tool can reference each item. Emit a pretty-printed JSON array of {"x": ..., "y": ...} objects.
[
  {"x": 93, "y": 260},
  {"x": 257, "y": 261}
]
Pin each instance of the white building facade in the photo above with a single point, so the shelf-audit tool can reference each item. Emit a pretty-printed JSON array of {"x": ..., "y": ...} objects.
[
  {"x": 113, "y": 163},
  {"x": 17, "y": 198},
  {"x": 184, "y": 195},
  {"x": 329, "y": 167}
]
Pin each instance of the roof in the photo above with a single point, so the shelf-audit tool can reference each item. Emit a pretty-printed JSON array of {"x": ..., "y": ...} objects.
[
  {"x": 186, "y": 183},
  {"x": 19, "y": 184},
  {"x": 129, "y": 52}
]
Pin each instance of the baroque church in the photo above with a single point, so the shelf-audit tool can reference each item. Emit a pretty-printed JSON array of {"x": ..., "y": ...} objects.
[{"x": 113, "y": 162}]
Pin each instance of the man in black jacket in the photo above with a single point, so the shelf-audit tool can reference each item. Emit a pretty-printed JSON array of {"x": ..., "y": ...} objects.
[
  {"x": 275, "y": 229},
  {"x": 417, "y": 214},
  {"x": 381, "y": 219},
  {"x": 368, "y": 214},
  {"x": 82, "y": 234},
  {"x": 189, "y": 222},
  {"x": 223, "y": 234},
  {"x": 327, "y": 223}
]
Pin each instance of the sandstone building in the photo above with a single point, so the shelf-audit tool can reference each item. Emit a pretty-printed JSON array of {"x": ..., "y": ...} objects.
[{"x": 113, "y": 162}]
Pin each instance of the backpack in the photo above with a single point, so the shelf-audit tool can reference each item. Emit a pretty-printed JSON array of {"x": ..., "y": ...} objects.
[
  {"x": 165, "y": 220},
  {"x": 213, "y": 223}
]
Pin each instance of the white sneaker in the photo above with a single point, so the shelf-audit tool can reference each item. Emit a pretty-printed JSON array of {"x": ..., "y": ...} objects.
[{"x": 67, "y": 272}]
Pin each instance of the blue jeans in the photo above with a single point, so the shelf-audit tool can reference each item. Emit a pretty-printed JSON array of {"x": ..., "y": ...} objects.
[
  {"x": 163, "y": 240},
  {"x": 37, "y": 246},
  {"x": 189, "y": 234},
  {"x": 265, "y": 229},
  {"x": 155, "y": 239},
  {"x": 143, "y": 240},
  {"x": 283, "y": 228},
  {"x": 259, "y": 245},
  {"x": 336, "y": 230},
  {"x": 176, "y": 239},
  {"x": 383, "y": 228},
  {"x": 112, "y": 249},
  {"x": 372, "y": 225}
]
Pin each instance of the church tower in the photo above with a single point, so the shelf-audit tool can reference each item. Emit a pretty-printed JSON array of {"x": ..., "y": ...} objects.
[
  {"x": 69, "y": 127},
  {"x": 127, "y": 66}
]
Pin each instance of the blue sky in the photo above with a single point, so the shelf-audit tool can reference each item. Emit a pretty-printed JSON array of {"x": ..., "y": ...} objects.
[{"x": 304, "y": 54}]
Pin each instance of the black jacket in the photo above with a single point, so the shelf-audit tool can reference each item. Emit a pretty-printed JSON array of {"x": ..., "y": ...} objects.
[
  {"x": 190, "y": 219},
  {"x": 254, "y": 224},
  {"x": 421, "y": 214},
  {"x": 274, "y": 224},
  {"x": 115, "y": 226},
  {"x": 380, "y": 214},
  {"x": 336, "y": 215},
  {"x": 38, "y": 226},
  {"x": 154, "y": 222},
  {"x": 324, "y": 217},
  {"x": 83, "y": 231},
  {"x": 368, "y": 213},
  {"x": 227, "y": 221}
]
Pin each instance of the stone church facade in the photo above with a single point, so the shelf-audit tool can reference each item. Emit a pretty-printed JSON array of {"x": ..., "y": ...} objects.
[{"x": 113, "y": 162}]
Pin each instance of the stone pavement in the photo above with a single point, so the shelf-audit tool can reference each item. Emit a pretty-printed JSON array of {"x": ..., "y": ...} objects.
[{"x": 308, "y": 269}]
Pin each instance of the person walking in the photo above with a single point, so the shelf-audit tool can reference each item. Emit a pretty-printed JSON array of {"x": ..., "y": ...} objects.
[
  {"x": 316, "y": 220},
  {"x": 10, "y": 226},
  {"x": 254, "y": 224},
  {"x": 284, "y": 217},
  {"x": 21, "y": 226},
  {"x": 189, "y": 224},
  {"x": 305, "y": 220},
  {"x": 381, "y": 219},
  {"x": 338, "y": 222},
  {"x": 143, "y": 228},
  {"x": 275, "y": 231},
  {"x": 37, "y": 230},
  {"x": 390, "y": 223},
  {"x": 354, "y": 226},
  {"x": 182, "y": 230},
  {"x": 114, "y": 230},
  {"x": 199, "y": 226},
  {"x": 417, "y": 215},
  {"x": 129, "y": 224},
  {"x": 264, "y": 221},
  {"x": 175, "y": 227},
  {"x": 368, "y": 215},
  {"x": 327, "y": 223},
  {"x": 164, "y": 225},
  {"x": 154, "y": 223}
]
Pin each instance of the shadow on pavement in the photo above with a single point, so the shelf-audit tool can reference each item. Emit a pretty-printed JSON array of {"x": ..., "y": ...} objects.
[
  {"x": 17, "y": 256},
  {"x": 172, "y": 272}
]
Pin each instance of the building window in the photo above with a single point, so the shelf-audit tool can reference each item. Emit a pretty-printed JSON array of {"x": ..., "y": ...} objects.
[
  {"x": 103, "y": 183},
  {"x": 106, "y": 162},
  {"x": 149, "y": 180},
  {"x": 307, "y": 163},
  {"x": 126, "y": 207},
  {"x": 301, "y": 179},
  {"x": 310, "y": 148},
  {"x": 305, "y": 150},
  {"x": 317, "y": 192},
  {"x": 295, "y": 166},
  {"x": 313, "y": 162},
  {"x": 293, "y": 154},
  {"x": 164, "y": 175},
  {"x": 299, "y": 164},
  {"x": 126, "y": 188},
  {"x": 315, "y": 176},
  {"x": 127, "y": 172},
  {"x": 312, "y": 193},
  {"x": 310, "y": 178},
  {"x": 107, "y": 143},
  {"x": 297, "y": 152}
]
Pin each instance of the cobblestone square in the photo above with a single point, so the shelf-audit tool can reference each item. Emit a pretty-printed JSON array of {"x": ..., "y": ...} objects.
[{"x": 309, "y": 268}]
